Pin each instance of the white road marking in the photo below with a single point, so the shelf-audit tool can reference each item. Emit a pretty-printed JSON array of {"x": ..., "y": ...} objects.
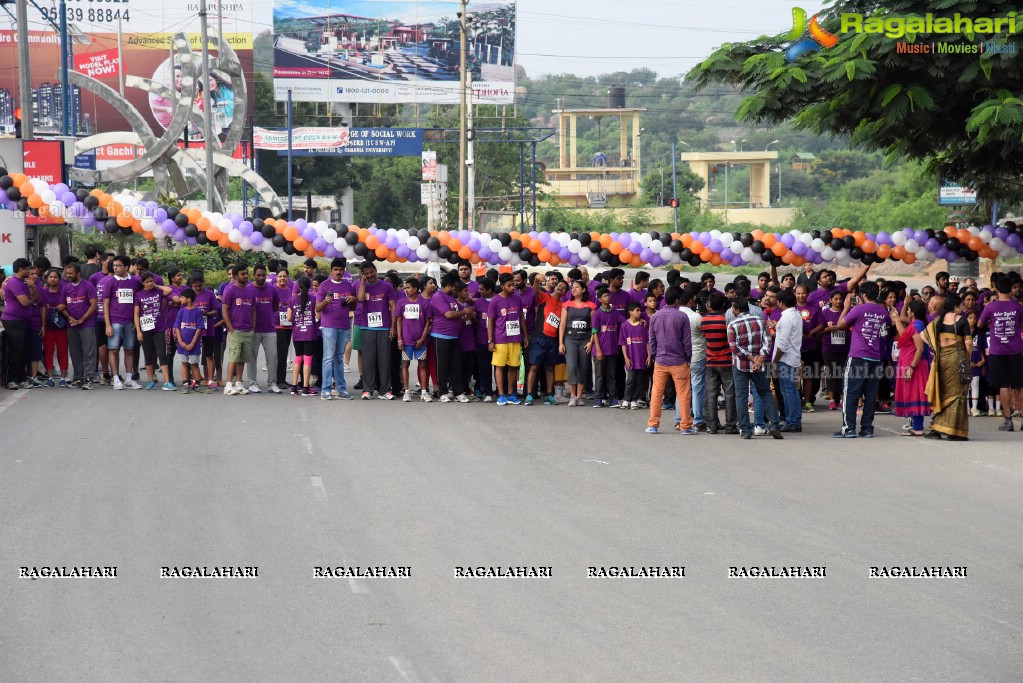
[
  {"x": 708, "y": 493},
  {"x": 321, "y": 492},
  {"x": 600, "y": 461},
  {"x": 13, "y": 398},
  {"x": 407, "y": 670},
  {"x": 308, "y": 443}
]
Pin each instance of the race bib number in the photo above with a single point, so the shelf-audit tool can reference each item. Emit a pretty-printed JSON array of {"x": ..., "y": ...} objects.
[
  {"x": 283, "y": 317},
  {"x": 838, "y": 338},
  {"x": 412, "y": 312},
  {"x": 374, "y": 320},
  {"x": 511, "y": 327},
  {"x": 554, "y": 321},
  {"x": 579, "y": 324},
  {"x": 125, "y": 296},
  {"x": 147, "y": 322}
]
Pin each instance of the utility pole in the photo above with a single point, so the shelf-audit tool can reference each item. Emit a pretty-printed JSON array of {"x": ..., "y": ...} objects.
[
  {"x": 291, "y": 189},
  {"x": 207, "y": 114},
  {"x": 65, "y": 94},
  {"x": 462, "y": 112},
  {"x": 24, "y": 74},
  {"x": 674, "y": 185},
  {"x": 470, "y": 163}
]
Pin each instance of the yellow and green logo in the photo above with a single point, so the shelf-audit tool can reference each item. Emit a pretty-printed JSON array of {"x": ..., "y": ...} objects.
[{"x": 807, "y": 37}]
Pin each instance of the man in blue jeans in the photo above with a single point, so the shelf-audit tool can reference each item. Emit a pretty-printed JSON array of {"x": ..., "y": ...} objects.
[
  {"x": 334, "y": 299},
  {"x": 788, "y": 340},
  {"x": 863, "y": 370},
  {"x": 749, "y": 342}
]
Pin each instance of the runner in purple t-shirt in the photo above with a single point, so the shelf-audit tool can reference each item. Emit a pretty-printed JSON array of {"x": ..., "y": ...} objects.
[
  {"x": 238, "y": 309},
  {"x": 413, "y": 317},
  {"x": 863, "y": 371}
]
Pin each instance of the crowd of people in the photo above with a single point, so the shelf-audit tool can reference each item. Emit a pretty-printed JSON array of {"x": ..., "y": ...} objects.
[{"x": 946, "y": 352}]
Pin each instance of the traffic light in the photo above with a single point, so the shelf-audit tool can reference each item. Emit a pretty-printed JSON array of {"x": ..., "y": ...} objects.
[{"x": 673, "y": 202}]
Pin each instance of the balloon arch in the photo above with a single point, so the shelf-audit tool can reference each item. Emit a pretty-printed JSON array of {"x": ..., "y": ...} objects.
[{"x": 126, "y": 214}]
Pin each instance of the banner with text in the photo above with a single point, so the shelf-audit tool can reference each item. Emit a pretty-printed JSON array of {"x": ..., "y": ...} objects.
[
  {"x": 105, "y": 64},
  {"x": 371, "y": 142},
  {"x": 301, "y": 138}
]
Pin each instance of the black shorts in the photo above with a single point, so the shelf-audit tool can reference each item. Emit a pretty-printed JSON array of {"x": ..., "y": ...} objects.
[
  {"x": 304, "y": 348},
  {"x": 101, "y": 334},
  {"x": 1005, "y": 372}
]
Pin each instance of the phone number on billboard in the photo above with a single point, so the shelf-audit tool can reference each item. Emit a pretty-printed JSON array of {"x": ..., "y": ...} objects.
[{"x": 94, "y": 14}]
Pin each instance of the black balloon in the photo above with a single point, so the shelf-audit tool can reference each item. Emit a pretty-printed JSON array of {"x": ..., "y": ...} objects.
[
  {"x": 352, "y": 238},
  {"x": 505, "y": 239},
  {"x": 126, "y": 231},
  {"x": 964, "y": 250},
  {"x": 99, "y": 213},
  {"x": 257, "y": 224},
  {"x": 454, "y": 259},
  {"x": 23, "y": 206},
  {"x": 279, "y": 241},
  {"x": 110, "y": 225},
  {"x": 815, "y": 234},
  {"x": 201, "y": 238},
  {"x": 13, "y": 194},
  {"x": 941, "y": 238},
  {"x": 758, "y": 247},
  {"x": 268, "y": 231},
  {"x": 423, "y": 235},
  {"x": 971, "y": 255},
  {"x": 573, "y": 235},
  {"x": 192, "y": 230},
  {"x": 952, "y": 244},
  {"x": 444, "y": 252},
  {"x": 746, "y": 240},
  {"x": 855, "y": 253},
  {"x": 695, "y": 261},
  {"x": 826, "y": 235},
  {"x": 3, "y": 171},
  {"x": 361, "y": 250},
  {"x": 288, "y": 248},
  {"x": 837, "y": 244},
  {"x": 181, "y": 220},
  {"x": 433, "y": 244},
  {"x": 605, "y": 255},
  {"x": 614, "y": 261},
  {"x": 91, "y": 202},
  {"x": 80, "y": 194},
  {"x": 534, "y": 261},
  {"x": 585, "y": 239},
  {"x": 515, "y": 246},
  {"x": 849, "y": 241},
  {"x": 172, "y": 212},
  {"x": 685, "y": 254},
  {"x": 676, "y": 246}
]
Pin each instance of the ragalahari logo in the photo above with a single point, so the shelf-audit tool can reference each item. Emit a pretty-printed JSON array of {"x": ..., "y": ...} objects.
[{"x": 807, "y": 38}]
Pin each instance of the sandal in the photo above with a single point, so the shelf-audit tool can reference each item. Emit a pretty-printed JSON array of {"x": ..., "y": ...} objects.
[{"x": 910, "y": 432}]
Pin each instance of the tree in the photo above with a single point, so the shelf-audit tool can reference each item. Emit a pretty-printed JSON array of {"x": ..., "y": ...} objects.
[
  {"x": 651, "y": 184},
  {"x": 960, "y": 114}
]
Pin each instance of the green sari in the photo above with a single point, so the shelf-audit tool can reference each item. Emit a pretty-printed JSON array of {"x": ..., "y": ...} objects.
[{"x": 946, "y": 389}]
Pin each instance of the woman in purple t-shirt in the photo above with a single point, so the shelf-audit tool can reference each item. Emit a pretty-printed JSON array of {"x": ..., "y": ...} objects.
[
  {"x": 55, "y": 319},
  {"x": 302, "y": 316},
  {"x": 834, "y": 348}
]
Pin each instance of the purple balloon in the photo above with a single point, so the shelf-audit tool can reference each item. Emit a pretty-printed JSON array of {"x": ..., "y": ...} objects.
[
  {"x": 402, "y": 251},
  {"x": 161, "y": 215},
  {"x": 1001, "y": 233},
  {"x": 787, "y": 239},
  {"x": 301, "y": 224},
  {"x": 883, "y": 238},
  {"x": 1013, "y": 240},
  {"x": 625, "y": 240},
  {"x": 67, "y": 198},
  {"x": 646, "y": 255},
  {"x": 245, "y": 228},
  {"x": 564, "y": 254},
  {"x": 319, "y": 244},
  {"x": 474, "y": 244},
  {"x": 309, "y": 233},
  {"x": 715, "y": 246},
  {"x": 59, "y": 189},
  {"x": 932, "y": 245},
  {"x": 191, "y": 241},
  {"x": 257, "y": 238},
  {"x": 484, "y": 253},
  {"x": 391, "y": 241},
  {"x": 798, "y": 248},
  {"x": 329, "y": 252},
  {"x": 169, "y": 226},
  {"x": 574, "y": 259}
]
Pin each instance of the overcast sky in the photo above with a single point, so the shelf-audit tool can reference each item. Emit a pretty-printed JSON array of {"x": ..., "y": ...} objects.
[{"x": 591, "y": 37}]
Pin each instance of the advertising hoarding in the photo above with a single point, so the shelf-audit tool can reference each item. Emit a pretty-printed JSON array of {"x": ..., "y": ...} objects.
[
  {"x": 951, "y": 193},
  {"x": 44, "y": 159},
  {"x": 367, "y": 142},
  {"x": 391, "y": 52},
  {"x": 12, "y": 223}
]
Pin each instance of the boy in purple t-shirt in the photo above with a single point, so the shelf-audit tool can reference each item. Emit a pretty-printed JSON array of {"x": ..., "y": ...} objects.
[
  {"x": 864, "y": 368},
  {"x": 413, "y": 317},
  {"x": 506, "y": 336},
  {"x": 239, "y": 312},
  {"x": 374, "y": 317},
  {"x": 633, "y": 337},
  {"x": 606, "y": 322},
  {"x": 119, "y": 318},
  {"x": 484, "y": 358},
  {"x": 1004, "y": 320},
  {"x": 188, "y": 327}
]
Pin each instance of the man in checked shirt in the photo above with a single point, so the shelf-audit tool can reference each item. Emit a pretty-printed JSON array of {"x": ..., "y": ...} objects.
[{"x": 750, "y": 344}]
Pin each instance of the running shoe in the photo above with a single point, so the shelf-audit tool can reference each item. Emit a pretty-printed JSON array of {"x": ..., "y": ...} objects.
[
  {"x": 274, "y": 389},
  {"x": 529, "y": 399},
  {"x": 169, "y": 386},
  {"x": 689, "y": 432},
  {"x": 550, "y": 400},
  {"x": 759, "y": 431},
  {"x": 308, "y": 391},
  {"x": 844, "y": 434},
  {"x": 462, "y": 398},
  {"x": 87, "y": 385},
  {"x": 253, "y": 387},
  {"x": 150, "y": 386},
  {"x": 64, "y": 384},
  {"x": 50, "y": 383},
  {"x": 240, "y": 389},
  {"x": 614, "y": 403},
  {"x": 388, "y": 396},
  {"x": 185, "y": 389},
  {"x": 598, "y": 403},
  {"x": 229, "y": 390},
  {"x": 366, "y": 396},
  {"x": 488, "y": 399},
  {"x": 445, "y": 399},
  {"x": 296, "y": 391},
  {"x": 501, "y": 400},
  {"x": 406, "y": 397},
  {"x": 652, "y": 430},
  {"x": 345, "y": 396},
  {"x": 426, "y": 397},
  {"x": 808, "y": 408},
  {"x": 514, "y": 400}
]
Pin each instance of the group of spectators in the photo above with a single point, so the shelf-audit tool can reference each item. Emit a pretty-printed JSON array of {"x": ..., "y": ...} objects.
[{"x": 516, "y": 337}]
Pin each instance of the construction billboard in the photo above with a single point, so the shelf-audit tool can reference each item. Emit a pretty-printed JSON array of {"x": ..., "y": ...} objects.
[{"x": 391, "y": 52}]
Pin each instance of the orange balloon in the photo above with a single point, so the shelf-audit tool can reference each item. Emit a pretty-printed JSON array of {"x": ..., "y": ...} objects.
[
  {"x": 465, "y": 252},
  {"x": 976, "y": 243},
  {"x": 381, "y": 251},
  {"x": 454, "y": 244},
  {"x": 363, "y": 234},
  {"x": 544, "y": 255},
  {"x": 798, "y": 260},
  {"x": 883, "y": 251},
  {"x": 122, "y": 220},
  {"x": 757, "y": 234},
  {"x": 27, "y": 189},
  {"x": 697, "y": 247},
  {"x": 224, "y": 242},
  {"x": 637, "y": 261},
  {"x": 615, "y": 248},
  {"x": 310, "y": 252},
  {"x": 868, "y": 246},
  {"x": 779, "y": 249},
  {"x": 787, "y": 258},
  {"x": 203, "y": 224},
  {"x": 605, "y": 241},
  {"x": 950, "y": 230},
  {"x": 301, "y": 244},
  {"x": 899, "y": 253},
  {"x": 715, "y": 260},
  {"x": 624, "y": 254},
  {"x": 706, "y": 255},
  {"x": 963, "y": 235},
  {"x": 769, "y": 241},
  {"x": 35, "y": 201},
  {"x": 687, "y": 241},
  {"x": 354, "y": 227},
  {"x": 554, "y": 260},
  {"x": 291, "y": 234},
  {"x": 443, "y": 238},
  {"x": 859, "y": 236},
  {"x": 392, "y": 256},
  {"x": 372, "y": 242},
  {"x": 213, "y": 233},
  {"x": 148, "y": 235},
  {"x": 909, "y": 259},
  {"x": 595, "y": 236}
]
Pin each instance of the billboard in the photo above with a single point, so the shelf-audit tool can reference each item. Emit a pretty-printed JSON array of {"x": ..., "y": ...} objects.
[
  {"x": 364, "y": 142},
  {"x": 147, "y": 31},
  {"x": 12, "y": 223},
  {"x": 44, "y": 159},
  {"x": 391, "y": 52},
  {"x": 951, "y": 193}
]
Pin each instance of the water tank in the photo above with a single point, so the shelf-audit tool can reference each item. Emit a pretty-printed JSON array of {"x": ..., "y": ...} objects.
[{"x": 616, "y": 97}]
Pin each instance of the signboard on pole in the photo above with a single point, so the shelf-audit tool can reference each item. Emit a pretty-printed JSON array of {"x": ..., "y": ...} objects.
[
  {"x": 301, "y": 138},
  {"x": 105, "y": 64},
  {"x": 44, "y": 159},
  {"x": 392, "y": 52},
  {"x": 429, "y": 166},
  {"x": 370, "y": 142},
  {"x": 951, "y": 193}
]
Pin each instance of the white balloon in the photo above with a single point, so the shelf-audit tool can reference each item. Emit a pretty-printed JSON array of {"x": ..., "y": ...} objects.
[
  {"x": 157, "y": 231},
  {"x": 266, "y": 245},
  {"x": 148, "y": 225},
  {"x": 48, "y": 196},
  {"x": 827, "y": 253},
  {"x": 973, "y": 230},
  {"x": 666, "y": 253},
  {"x": 715, "y": 234},
  {"x": 747, "y": 254},
  {"x": 504, "y": 253},
  {"x": 235, "y": 235},
  {"x": 245, "y": 242},
  {"x": 422, "y": 252},
  {"x": 349, "y": 252},
  {"x": 656, "y": 245},
  {"x": 644, "y": 239},
  {"x": 574, "y": 246},
  {"x": 495, "y": 245},
  {"x": 986, "y": 235},
  {"x": 817, "y": 245},
  {"x": 898, "y": 238},
  {"x": 403, "y": 235},
  {"x": 226, "y": 225},
  {"x": 594, "y": 261},
  {"x": 339, "y": 245},
  {"x": 996, "y": 243},
  {"x": 330, "y": 234},
  {"x": 806, "y": 238},
  {"x": 911, "y": 246},
  {"x": 736, "y": 247}
]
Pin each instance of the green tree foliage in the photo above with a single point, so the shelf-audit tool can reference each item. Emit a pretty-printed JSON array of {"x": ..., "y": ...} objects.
[
  {"x": 960, "y": 114},
  {"x": 656, "y": 184}
]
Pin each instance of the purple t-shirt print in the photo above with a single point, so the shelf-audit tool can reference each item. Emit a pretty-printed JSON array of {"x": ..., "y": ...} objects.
[
  {"x": 335, "y": 315},
  {"x": 1004, "y": 320},
  {"x": 606, "y": 325},
  {"x": 867, "y": 324},
  {"x": 76, "y": 298},
  {"x": 240, "y": 302},
  {"x": 266, "y": 298},
  {"x": 375, "y": 312},
  {"x": 634, "y": 339},
  {"x": 445, "y": 327},
  {"x": 150, "y": 303},
  {"x": 506, "y": 312},
  {"x": 119, "y": 295},
  {"x": 414, "y": 315}
]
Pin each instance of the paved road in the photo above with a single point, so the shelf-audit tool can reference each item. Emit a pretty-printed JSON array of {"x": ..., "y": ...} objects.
[{"x": 141, "y": 481}]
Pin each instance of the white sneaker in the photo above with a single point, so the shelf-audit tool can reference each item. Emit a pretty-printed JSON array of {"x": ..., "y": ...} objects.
[
  {"x": 462, "y": 398},
  {"x": 759, "y": 431},
  {"x": 274, "y": 389},
  {"x": 264, "y": 367},
  {"x": 426, "y": 397},
  {"x": 132, "y": 384},
  {"x": 240, "y": 389},
  {"x": 445, "y": 398},
  {"x": 488, "y": 399},
  {"x": 229, "y": 389},
  {"x": 625, "y": 405},
  {"x": 347, "y": 369},
  {"x": 407, "y": 397},
  {"x": 253, "y": 387},
  {"x": 118, "y": 384},
  {"x": 974, "y": 412}
]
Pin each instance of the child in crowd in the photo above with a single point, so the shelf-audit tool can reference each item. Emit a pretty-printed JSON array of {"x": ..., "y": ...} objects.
[
  {"x": 605, "y": 326},
  {"x": 302, "y": 317},
  {"x": 188, "y": 327},
  {"x": 484, "y": 366},
  {"x": 506, "y": 336},
  {"x": 413, "y": 317},
  {"x": 466, "y": 338},
  {"x": 633, "y": 338}
]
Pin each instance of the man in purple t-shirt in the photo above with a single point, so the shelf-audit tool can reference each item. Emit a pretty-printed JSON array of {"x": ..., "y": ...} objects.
[
  {"x": 826, "y": 286},
  {"x": 239, "y": 311},
  {"x": 119, "y": 315},
  {"x": 863, "y": 370},
  {"x": 268, "y": 302},
  {"x": 20, "y": 294},
  {"x": 374, "y": 318},
  {"x": 1004, "y": 319},
  {"x": 334, "y": 300},
  {"x": 80, "y": 299}
]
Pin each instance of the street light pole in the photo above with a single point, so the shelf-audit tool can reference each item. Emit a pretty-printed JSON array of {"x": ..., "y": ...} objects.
[
  {"x": 24, "y": 74},
  {"x": 207, "y": 125},
  {"x": 674, "y": 186},
  {"x": 461, "y": 113}
]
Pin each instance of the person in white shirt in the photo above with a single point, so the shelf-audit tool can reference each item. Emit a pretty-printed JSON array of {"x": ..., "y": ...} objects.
[
  {"x": 698, "y": 364},
  {"x": 788, "y": 341}
]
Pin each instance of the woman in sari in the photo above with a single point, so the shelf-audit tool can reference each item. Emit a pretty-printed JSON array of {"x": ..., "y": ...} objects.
[
  {"x": 912, "y": 369},
  {"x": 948, "y": 336}
]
